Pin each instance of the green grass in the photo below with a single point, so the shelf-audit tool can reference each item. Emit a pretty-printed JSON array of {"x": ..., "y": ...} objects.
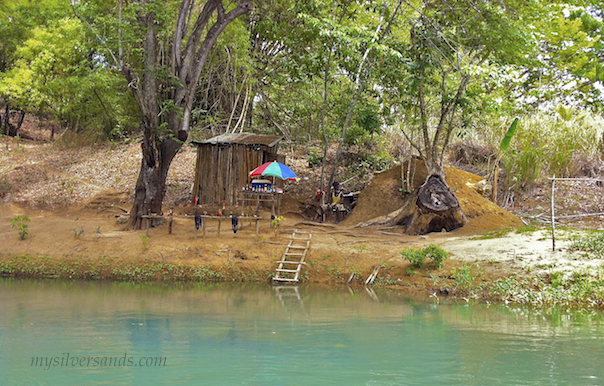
[
  {"x": 592, "y": 244},
  {"x": 582, "y": 290},
  {"x": 503, "y": 232},
  {"x": 527, "y": 229},
  {"x": 104, "y": 268},
  {"x": 494, "y": 234}
]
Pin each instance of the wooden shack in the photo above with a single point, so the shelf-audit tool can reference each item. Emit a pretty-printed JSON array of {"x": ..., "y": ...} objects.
[{"x": 225, "y": 161}]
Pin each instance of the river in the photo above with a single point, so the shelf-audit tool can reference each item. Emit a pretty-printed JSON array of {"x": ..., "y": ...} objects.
[{"x": 101, "y": 333}]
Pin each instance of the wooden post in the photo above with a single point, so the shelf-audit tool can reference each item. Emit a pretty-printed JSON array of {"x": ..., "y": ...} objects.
[
  {"x": 170, "y": 221},
  {"x": 195, "y": 214},
  {"x": 219, "y": 221},
  {"x": 148, "y": 221},
  {"x": 553, "y": 215},
  {"x": 257, "y": 227},
  {"x": 495, "y": 178},
  {"x": 203, "y": 227}
]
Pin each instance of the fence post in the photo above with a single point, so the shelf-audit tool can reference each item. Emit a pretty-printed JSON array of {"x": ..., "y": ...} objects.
[{"x": 553, "y": 215}]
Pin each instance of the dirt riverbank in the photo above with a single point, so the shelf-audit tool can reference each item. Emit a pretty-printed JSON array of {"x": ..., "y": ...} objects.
[
  {"x": 85, "y": 244},
  {"x": 72, "y": 196}
]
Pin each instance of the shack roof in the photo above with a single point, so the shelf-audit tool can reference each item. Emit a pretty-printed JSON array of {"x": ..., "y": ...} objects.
[{"x": 243, "y": 139}]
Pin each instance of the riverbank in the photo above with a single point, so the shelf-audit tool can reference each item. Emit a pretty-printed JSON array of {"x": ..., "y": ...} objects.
[
  {"x": 511, "y": 265},
  {"x": 72, "y": 196}
]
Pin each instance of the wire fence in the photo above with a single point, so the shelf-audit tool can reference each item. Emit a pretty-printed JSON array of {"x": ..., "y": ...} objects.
[{"x": 572, "y": 216}]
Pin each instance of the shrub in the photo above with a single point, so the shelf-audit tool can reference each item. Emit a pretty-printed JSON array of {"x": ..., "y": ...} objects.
[
  {"x": 275, "y": 224},
  {"x": 145, "y": 241},
  {"x": 20, "y": 224},
  {"x": 417, "y": 257},
  {"x": 314, "y": 159},
  {"x": 464, "y": 278}
]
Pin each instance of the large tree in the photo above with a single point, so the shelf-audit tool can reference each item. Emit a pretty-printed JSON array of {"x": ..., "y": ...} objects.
[
  {"x": 162, "y": 47},
  {"x": 18, "y": 21},
  {"x": 448, "y": 44}
]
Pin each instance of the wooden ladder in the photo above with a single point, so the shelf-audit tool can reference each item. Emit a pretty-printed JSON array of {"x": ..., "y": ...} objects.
[{"x": 292, "y": 261}]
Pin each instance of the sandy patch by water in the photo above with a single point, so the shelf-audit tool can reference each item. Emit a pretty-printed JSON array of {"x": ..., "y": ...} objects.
[{"x": 524, "y": 254}]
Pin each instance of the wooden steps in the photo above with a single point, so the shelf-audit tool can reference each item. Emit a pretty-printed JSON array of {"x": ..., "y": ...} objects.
[{"x": 291, "y": 262}]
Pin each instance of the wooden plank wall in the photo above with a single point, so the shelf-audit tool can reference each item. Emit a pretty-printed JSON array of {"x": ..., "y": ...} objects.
[
  {"x": 222, "y": 170},
  {"x": 197, "y": 174}
]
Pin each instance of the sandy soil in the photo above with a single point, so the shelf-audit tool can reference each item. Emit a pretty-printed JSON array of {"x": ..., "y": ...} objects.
[{"x": 336, "y": 251}]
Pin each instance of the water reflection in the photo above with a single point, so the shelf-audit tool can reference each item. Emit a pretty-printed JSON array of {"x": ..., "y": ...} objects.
[{"x": 258, "y": 334}]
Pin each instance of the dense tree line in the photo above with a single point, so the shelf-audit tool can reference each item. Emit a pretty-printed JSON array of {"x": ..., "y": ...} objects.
[{"x": 337, "y": 70}]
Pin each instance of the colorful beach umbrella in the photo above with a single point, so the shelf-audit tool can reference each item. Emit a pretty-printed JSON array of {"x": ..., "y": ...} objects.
[{"x": 274, "y": 169}]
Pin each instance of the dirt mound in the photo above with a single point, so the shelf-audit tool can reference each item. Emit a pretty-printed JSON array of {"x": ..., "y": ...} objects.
[{"x": 383, "y": 196}]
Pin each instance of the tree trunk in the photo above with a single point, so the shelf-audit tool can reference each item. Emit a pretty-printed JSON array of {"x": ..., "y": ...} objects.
[
  {"x": 150, "y": 187},
  {"x": 431, "y": 208},
  {"x": 20, "y": 123},
  {"x": 6, "y": 119},
  {"x": 148, "y": 194},
  {"x": 436, "y": 208}
]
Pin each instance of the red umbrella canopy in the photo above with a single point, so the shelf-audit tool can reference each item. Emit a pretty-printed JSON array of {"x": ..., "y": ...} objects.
[{"x": 274, "y": 169}]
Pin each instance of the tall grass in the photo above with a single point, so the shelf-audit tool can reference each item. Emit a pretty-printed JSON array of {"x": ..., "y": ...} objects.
[{"x": 549, "y": 144}]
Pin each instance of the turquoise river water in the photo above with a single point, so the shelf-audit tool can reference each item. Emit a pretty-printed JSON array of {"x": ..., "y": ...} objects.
[{"x": 95, "y": 333}]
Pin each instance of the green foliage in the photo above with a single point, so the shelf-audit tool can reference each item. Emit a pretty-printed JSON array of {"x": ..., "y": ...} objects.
[
  {"x": 494, "y": 234},
  {"x": 571, "y": 49},
  {"x": 527, "y": 229},
  {"x": 505, "y": 143},
  {"x": 464, "y": 278},
  {"x": 417, "y": 257},
  {"x": 592, "y": 245},
  {"x": 549, "y": 143},
  {"x": 276, "y": 222},
  {"x": 145, "y": 241},
  {"x": 57, "y": 70},
  {"x": 581, "y": 290},
  {"x": 360, "y": 248},
  {"x": 441, "y": 98},
  {"x": 313, "y": 158},
  {"x": 20, "y": 224}
]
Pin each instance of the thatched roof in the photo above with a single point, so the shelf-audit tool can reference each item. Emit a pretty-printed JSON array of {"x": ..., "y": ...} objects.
[{"x": 243, "y": 139}]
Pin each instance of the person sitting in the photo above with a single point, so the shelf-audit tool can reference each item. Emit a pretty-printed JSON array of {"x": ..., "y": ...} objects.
[{"x": 337, "y": 201}]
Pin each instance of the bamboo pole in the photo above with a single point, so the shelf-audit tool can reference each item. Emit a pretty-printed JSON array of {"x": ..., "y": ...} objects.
[
  {"x": 581, "y": 215},
  {"x": 576, "y": 179},
  {"x": 553, "y": 215}
]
